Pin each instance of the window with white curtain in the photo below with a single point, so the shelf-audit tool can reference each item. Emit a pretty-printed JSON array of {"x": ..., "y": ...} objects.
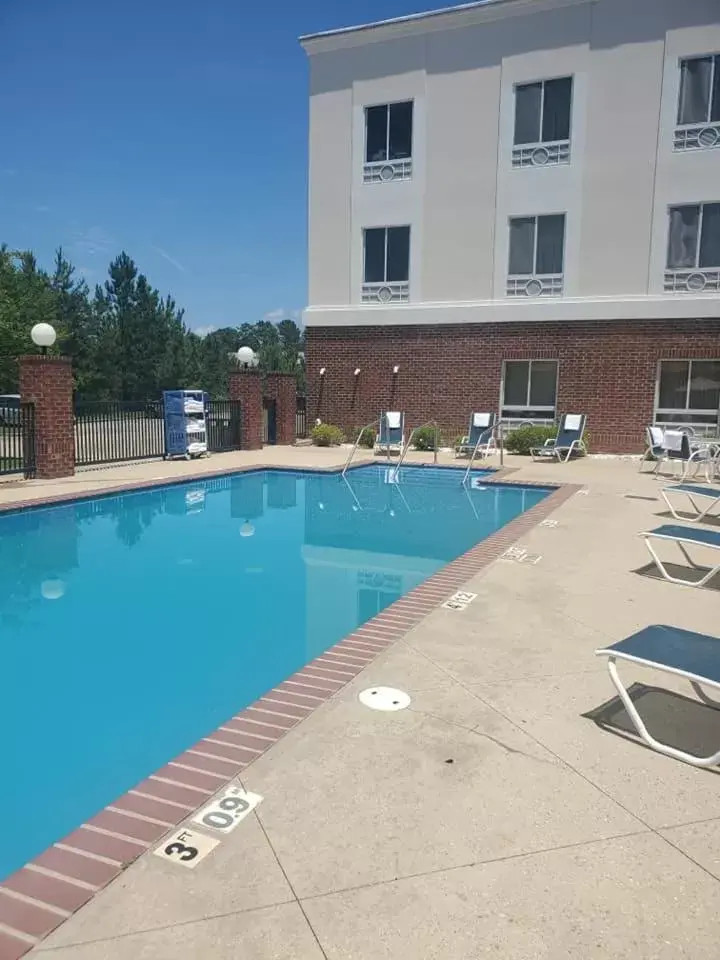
[
  {"x": 537, "y": 254},
  {"x": 693, "y": 251},
  {"x": 698, "y": 117},
  {"x": 529, "y": 389},
  {"x": 688, "y": 392}
]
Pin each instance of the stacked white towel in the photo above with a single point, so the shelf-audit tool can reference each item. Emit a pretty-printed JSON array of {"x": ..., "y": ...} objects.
[
  {"x": 393, "y": 420},
  {"x": 673, "y": 441},
  {"x": 481, "y": 420}
]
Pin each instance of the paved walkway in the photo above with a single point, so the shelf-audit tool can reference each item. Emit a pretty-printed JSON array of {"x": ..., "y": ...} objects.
[{"x": 492, "y": 818}]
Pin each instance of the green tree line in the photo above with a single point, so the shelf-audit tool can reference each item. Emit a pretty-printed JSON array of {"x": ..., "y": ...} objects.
[{"x": 126, "y": 341}]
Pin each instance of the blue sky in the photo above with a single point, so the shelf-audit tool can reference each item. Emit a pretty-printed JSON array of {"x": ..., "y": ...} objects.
[{"x": 173, "y": 129}]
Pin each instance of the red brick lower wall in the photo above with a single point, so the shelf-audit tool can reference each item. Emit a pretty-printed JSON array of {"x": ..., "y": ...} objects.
[{"x": 606, "y": 369}]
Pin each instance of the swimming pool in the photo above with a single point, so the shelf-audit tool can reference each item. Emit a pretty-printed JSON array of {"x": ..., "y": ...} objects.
[{"x": 132, "y": 625}]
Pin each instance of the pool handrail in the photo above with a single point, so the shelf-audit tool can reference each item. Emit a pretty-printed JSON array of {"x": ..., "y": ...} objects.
[
  {"x": 499, "y": 443},
  {"x": 430, "y": 423},
  {"x": 356, "y": 444}
]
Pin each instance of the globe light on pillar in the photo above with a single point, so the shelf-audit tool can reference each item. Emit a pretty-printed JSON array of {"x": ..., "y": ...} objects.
[
  {"x": 247, "y": 358},
  {"x": 43, "y": 335}
]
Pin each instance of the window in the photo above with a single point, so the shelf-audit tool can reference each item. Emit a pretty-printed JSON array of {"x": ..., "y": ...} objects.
[
  {"x": 386, "y": 270},
  {"x": 693, "y": 255},
  {"x": 528, "y": 391},
  {"x": 388, "y": 142},
  {"x": 535, "y": 266},
  {"x": 698, "y": 122},
  {"x": 542, "y": 123},
  {"x": 688, "y": 392}
]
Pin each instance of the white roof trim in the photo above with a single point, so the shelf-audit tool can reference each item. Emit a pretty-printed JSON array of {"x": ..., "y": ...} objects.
[{"x": 417, "y": 24}]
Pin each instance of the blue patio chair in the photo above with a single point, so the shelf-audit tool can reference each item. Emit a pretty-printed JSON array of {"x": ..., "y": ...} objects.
[
  {"x": 391, "y": 435},
  {"x": 682, "y": 536},
  {"x": 693, "y": 656},
  {"x": 691, "y": 491},
  {"x": 569, "y": 440},
  {"x": 481, "y": 436}
]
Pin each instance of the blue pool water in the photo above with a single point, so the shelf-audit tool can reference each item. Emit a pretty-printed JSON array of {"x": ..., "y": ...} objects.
[{"x": 133, "y": 625}]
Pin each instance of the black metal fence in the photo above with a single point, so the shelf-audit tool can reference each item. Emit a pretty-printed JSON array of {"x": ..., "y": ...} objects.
[
  {"x": 113, "y": 431},
  {"x": 301, "y": 417},
  {"x": 17, "y": 439},
  {"x": 224, "y": 425}
]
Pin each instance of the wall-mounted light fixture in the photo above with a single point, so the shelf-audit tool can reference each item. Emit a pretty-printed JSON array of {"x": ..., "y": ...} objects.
[
  {"x": 357, "y": 372},
  {"x": 322, "y": 371},
  {"x": 396, "y": 369}
]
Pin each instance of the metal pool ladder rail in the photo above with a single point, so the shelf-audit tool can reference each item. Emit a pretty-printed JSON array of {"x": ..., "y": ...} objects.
[
  {"x": 499, "y": 443},
  {"x": 430, "y": 423},
  {"x": 355, "y": 445}
]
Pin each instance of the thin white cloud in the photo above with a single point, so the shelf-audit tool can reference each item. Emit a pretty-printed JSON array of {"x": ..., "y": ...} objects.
[
  {"x": 41, "y": 208},
  {"x": 204, "y": 331},
  {"x": 7, "y": 172},
  {"x": 92, "y": 241},
  {"x": 87, "y": 272},
  {"x": 274, "y": 316},
  {"x": 166, "y": 256}
]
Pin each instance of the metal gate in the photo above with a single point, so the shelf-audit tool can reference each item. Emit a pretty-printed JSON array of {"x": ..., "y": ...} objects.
[
  {"x": 301, "y": 417},
  {"x": 17, "y": 438},
  {"x": 269, "y": 420},
  {"x": 115, "y": 431},
  {"x": 224, "y": 425}
]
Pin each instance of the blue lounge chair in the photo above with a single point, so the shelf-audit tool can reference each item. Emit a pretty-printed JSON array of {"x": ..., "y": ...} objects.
[
  {"x": 391, "y": 435},
  {"x": 480, "y": 437},
  {"x": 693, "y": 656},
  {"x": 691, "y": 491},
  {"x": 680, "y": 535},
  {"x": 568, "y": 441}
]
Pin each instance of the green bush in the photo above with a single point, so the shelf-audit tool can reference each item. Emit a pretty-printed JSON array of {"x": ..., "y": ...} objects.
[
  {"x": 326, "y": 435},
  {"x": 524, "y": 439},
  {"x": 367, "y": 438},
  {"x": 424, "y": 438}
]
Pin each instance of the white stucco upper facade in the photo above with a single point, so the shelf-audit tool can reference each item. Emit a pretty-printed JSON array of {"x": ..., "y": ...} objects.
[{"x": 626, "y": 163}]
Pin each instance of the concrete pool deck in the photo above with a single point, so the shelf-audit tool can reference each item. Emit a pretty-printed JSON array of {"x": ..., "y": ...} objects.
[{"x": 493, "y": 817}]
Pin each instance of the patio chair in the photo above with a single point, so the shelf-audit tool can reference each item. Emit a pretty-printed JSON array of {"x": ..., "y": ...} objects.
[
  {"x": 655, "y": 450},
  {"x": 391, "y": 435},
  {"x": 675, "y": 533},
  {"x": 480, "y": 437},
  {"x": 690, "y": 490},
  {"x": 682, "y": 653},
  {"x": 569, "y": 440},
  {"x": 681, "y": 449}
]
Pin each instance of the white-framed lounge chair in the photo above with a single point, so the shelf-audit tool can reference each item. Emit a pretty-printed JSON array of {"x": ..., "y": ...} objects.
[
  {"x": 480, "y": 436},
  {"x": 391, "y": 435},
  {"x": 684, "y": 536},
  {"x": 569, "y": 440},
  {"x": 692, "y": 491},
  {"x": 655, "y": 450},
  {"x": 693, "y": 656}
]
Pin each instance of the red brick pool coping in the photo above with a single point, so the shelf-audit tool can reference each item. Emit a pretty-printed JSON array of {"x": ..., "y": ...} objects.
[{"x": 36, "y": 899}]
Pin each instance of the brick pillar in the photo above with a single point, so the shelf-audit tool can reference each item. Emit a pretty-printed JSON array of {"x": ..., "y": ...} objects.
[
  {"x": 47, "y": 382},
  {"x": 282, "y": 388},
  {"x": 246, "y": 386}
]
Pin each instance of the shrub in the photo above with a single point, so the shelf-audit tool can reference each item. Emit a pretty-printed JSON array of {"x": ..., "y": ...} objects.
[
  {"x": 424, "y": 438},
  {"x": 367, "y": 438},
  {"x": 326, "y": 435},
  {"x": 524, "y": 439}
]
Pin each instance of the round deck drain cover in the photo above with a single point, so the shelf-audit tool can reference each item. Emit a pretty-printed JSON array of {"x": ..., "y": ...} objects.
[{"x": 384, "y": 698}]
